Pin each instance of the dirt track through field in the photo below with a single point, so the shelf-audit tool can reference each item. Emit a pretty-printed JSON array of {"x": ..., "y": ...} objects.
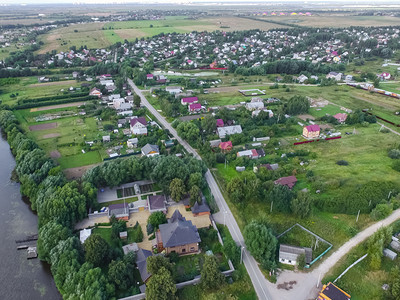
[
  {"x": 43, "y": 126},
  {"x": 73, "y": 173},
  {"x": 65, "y": 82},
  {"x": 57, "y": 106},
  {"x": 51, "y": 135}
]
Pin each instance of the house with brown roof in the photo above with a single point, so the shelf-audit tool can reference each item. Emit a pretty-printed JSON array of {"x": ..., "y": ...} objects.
[
  {"x": 200, "y": 209},
  {"x": 95, "y": 92},
  {"x": 311, "y": 131},
  {"x": 119, "y": 210},
  {"x": 178, "y": 236},
  {"x": 289, "y": 181}
]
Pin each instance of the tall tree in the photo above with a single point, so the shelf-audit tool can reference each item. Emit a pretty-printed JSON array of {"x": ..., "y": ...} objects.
[
  {"x": 49, "y": 236},
  {"x": 136, "y": 100},
  {"x": 161, "y": 286},
  {"x": 177, "y": 189},
  {"x": 155, "y": 263},
  {"x": 236, "y": 190},
  {"x": 211, "y": 276},
  {"x": 261, "y": 243},
  {"x": 156, "y": 219},
  {"x": 282, "y": 196},
  {"x": 96, "y": 250},
  {"x": 301, "y": 206},
  {"x": 209, "y": 124},
  {"x": 194, "y": 195}
]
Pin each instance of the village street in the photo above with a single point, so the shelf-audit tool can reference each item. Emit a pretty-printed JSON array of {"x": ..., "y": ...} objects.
[{"x": 307, "y": 284}]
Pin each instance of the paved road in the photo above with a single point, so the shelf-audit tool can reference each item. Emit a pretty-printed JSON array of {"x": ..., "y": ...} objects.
[{"x": 257, "y": 278}]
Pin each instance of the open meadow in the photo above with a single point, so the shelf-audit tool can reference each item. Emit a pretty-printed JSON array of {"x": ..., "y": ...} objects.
[{"x": 329, "y": 20}]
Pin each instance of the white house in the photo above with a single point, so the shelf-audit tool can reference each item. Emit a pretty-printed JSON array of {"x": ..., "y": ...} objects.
[
  {"x": 334, "y": 75},
  {"x": 138, "y": 126},
  {"x": 228, "y": 130},
  {"x": 302, "y": 78},
  {"x": 173, "y": 89},
  {"x": 132, "y": 143},
  {"x": 288, "y": 254}
]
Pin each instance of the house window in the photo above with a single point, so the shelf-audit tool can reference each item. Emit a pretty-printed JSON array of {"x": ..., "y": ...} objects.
[
  {"x": 173, "y": 251},
  {"x": 192, "y": 249},
  {"x": 282, "y": 259},
  {"x": 183, "y": 250},
  {"x": 290, "y": 261}
]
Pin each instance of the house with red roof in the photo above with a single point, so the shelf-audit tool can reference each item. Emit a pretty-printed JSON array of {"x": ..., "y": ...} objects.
[
  {"x": 189, "y": 100},
  {"x": 311, "y": 131},
  {"x": 341, "y": 117},
  {"x": 138, "y": 126},
  {"x": 384, "y": 76},
  {"x": 149, "y": 76},
  {"x": 289, "y": 181},
  {"x": 253, "y": 153},
  {"x": 220, "y": 123},
  {"x": 226, "y": 146},
  {"x": 195, "y": 107}
]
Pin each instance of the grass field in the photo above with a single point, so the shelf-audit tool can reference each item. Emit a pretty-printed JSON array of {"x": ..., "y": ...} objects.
[
  {"x": 61, "y": 39},
  {"x": 325, "y": 20},
  {"x": 29, "y": 87}
]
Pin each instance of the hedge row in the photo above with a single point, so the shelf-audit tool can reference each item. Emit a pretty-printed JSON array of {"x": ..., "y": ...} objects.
[
  {"x": 35, "y": 100},
  {"x": 48, "y": 103}
]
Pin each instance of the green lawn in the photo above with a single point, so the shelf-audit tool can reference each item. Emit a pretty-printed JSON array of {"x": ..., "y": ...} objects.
[
  {"x": 105, "y": 233},
  {"x": 135, "y": 234},
  {"x": 126, "y": 200},
  {"x": 79, "y": 160}
]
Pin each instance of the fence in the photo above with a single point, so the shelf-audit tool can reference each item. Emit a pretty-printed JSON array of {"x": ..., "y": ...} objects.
[{"x": 327, "y": 139}]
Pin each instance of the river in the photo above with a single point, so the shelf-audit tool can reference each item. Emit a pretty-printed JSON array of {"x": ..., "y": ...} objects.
[{"x": 19, "y": 278}]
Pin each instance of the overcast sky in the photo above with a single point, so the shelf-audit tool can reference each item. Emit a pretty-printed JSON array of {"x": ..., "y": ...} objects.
[{"x": 191, "y": 1}]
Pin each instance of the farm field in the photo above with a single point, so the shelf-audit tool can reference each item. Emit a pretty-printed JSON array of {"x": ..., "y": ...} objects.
[
  {"x": 101, "y": 35},
  {"x": 335, "y": 20},
  {"x": 28, "y": 87},
  {"x": 61, "y": 39}
]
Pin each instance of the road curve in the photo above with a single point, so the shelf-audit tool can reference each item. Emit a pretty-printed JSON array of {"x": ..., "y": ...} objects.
[{"x": 257, "y": 278}]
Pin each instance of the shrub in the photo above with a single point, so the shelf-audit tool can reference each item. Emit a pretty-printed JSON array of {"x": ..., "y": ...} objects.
[
  {"x": 394, "y": 154},
  {"x": 384, "y": 130},
  {"x": 381, "y": 211},
  {"x": 342, "y": 163},
  {"x": 396, "y": 165}
]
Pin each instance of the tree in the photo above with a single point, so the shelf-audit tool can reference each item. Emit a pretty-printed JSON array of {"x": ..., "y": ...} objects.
[
  {"x": 136, "y": 100},
  {"x": 161, "y": 286},
  {"x": 177, "y": 189},
  {"x": 188, "y": 131},
  {"x": 236, "y": 190},
  {"x": 156, "y": 219},
  {"x": 282, "y": 196},
  {"x": 211, "y": 277},
  {"x": 195, "y": 179},
  {"x": 49, "y": 236},
  {"x": 155, "y": 263},
  {"x": 375, "y": 245},
  {"x": 209, "y": 124},
  {"x": 96, "y": 250},
  {"x": 297, "y": 105},
  {"x": 301, "y": 206},
  {"x": 194, "y": 195},
  {"x": 120, "y": 272},
  {"x": 232, "y": 251},
  {"x": 301, "y": 261},
  {"x": 261, "y": 243},
  {"x": 395, "y": 283},
  {"x": 381, "y": 211}
]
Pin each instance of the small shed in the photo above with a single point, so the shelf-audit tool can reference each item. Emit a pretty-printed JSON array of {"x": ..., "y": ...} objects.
[
  {"x": 123, "y": 235},
  {"x": 389, "y": 253},
  {"x": 106, "y": 139},
  {"x": 240, "y": 169},
  {"x": 395, "y": 245},
  {"x": 133, "y": 247},
  {"x": 288, "y": 254},
  {"x": 32, "y": 253}
]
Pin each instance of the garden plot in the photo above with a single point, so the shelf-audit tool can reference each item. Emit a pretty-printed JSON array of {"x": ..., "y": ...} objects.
[
  {"x": 252, "y": 92},
  {"x": 43, "y": 126}
]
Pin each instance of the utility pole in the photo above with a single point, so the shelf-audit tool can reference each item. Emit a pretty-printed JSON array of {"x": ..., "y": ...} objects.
[
  {"x": 358, "y": 215},
  {"x": 241, "y": 255},
  {"x": 271, "y": 206}
]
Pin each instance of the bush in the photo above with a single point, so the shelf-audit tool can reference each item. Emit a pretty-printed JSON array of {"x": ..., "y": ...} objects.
[
  {"x": 381, "y": 211},
  {"x": 342, "y": 163},
  {"x": 385, "y": 130},
  {"x": 394, "y": 154},
  {"x": 396, "y": 165}
]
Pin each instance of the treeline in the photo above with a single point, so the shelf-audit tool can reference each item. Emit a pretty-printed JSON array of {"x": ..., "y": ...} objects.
[
  {"x": 52, "y": 102},
  {"x": 93, "y": 270},
  {"x": 287, "y": 67}
]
